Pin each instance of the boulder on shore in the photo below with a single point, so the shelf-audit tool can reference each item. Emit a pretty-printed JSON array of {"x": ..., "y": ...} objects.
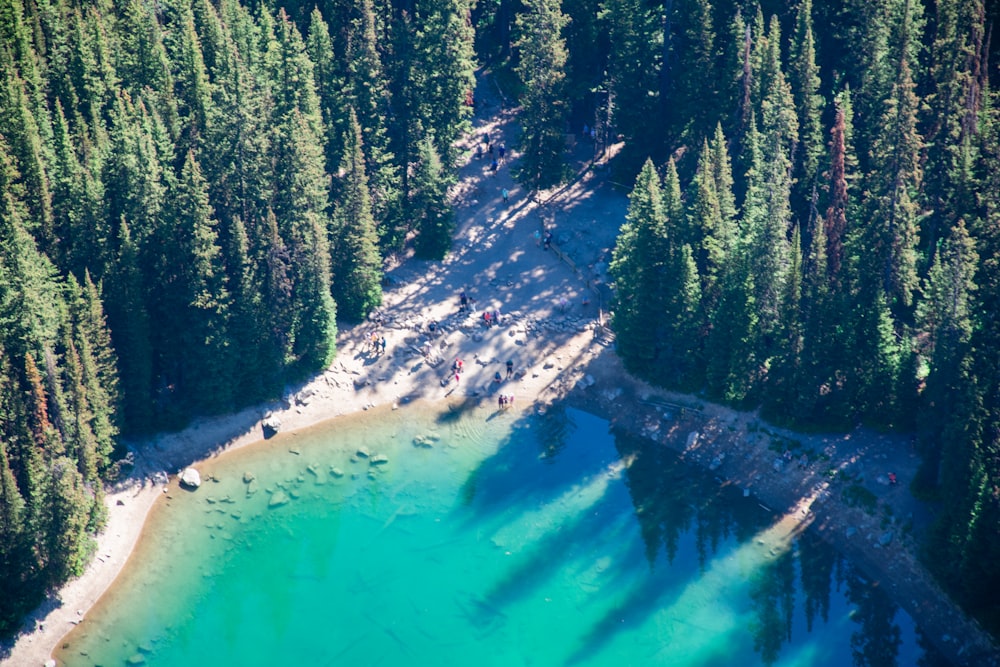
[
  {"x": 190, "y": 478},
  {"x": 271, "y": 425}
]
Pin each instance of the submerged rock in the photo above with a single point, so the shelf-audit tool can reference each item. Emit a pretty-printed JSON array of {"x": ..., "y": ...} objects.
[
  {"x": 248, "y": 477},
  {"x": 190, "y": 478},
  {"x": 278, "y": 498},
  {"x": 378, "y": 459},
  {"x": 363, "y": 452}
]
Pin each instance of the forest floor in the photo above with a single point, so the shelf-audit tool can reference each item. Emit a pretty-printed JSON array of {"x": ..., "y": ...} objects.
[{"x": 553, "y": 306}]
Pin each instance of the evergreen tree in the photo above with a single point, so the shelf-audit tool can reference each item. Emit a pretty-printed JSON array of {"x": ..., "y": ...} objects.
[
  {"x": 805, "y": 84},
  {"x": 636, "y": 270},
  {"x": 129, "y": 321},
  {"x": 765, "y": 226},
  {"x": 957, "y": 76},
  {"x": 945, "y": 319},
  {"x": 541, "y": 68},
  {"x": 300, "y": 197},
  {"x": 357, "y": 266},
  {"x": 444, "y": 75},
  {"x": 433, "y": 215},
  {"x": 894, "y": 186},
  {"x": 691, "y": 106},
  {"x": 368, "y": 94},
  {"x": 195, "y": 343},
  {"x": 25, "y": 143},
  {"x": 633, "y": 79}
]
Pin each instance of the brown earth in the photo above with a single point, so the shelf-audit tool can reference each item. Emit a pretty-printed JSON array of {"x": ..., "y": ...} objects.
[{"x": 553, "y": 305}]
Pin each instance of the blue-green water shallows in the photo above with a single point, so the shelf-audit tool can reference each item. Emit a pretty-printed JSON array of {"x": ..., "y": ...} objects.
[{"x": 485, "y": 538}]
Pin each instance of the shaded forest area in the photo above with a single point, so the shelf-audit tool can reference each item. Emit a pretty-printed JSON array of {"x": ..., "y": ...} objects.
[{"x": 192, "y": 192}]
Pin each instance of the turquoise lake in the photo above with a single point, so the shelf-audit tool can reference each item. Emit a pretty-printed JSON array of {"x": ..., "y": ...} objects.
[{"x": 510, "y": 540}]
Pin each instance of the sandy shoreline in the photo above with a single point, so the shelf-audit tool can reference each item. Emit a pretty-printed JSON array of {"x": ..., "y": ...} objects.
[{"x": 559, "y": 352}]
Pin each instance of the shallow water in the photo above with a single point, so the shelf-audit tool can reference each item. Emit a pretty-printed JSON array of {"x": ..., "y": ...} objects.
[{"x": 510, "y": 540}]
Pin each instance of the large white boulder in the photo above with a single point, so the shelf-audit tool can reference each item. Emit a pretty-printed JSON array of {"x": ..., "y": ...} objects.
[{"x": 190, "y": 478}]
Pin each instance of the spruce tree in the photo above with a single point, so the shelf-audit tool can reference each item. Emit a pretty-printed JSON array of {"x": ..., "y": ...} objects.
[
  {"x": 635, "y": 267},
  {"x": 894, "y": 185},
  {"x": 356, "y": 264},
  {"x": 804, "y": 80},
  {"x": 541, "y": 69},
  {"x": 945, "y": 319},
  {"x": 633, "y": 80},
  {"x": 433, "y": 215}
]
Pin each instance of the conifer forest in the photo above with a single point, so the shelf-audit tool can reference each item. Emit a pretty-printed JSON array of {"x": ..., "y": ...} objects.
[{"x": 194, "y": 192}]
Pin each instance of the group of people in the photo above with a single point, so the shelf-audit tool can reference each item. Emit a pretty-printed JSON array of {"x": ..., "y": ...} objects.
[
  {"x": 465, "y": 302},
  {"x": 496, "y": 153},
  {"x": 504, "y": 402},
  {"x": 376, "y": 344},
  {"x": 491, "y": 318}
]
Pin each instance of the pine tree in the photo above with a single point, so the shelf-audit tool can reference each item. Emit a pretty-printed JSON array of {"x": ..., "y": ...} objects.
[
  {"x": 710, "y": 235},
  {"x": 765, "y": 225},
  {"x": 196, "y": 303},
  {"x": 129, "y": 320},
  {"x": 805, "y": 83},
  {"x": 633, "y": 80},
  {"x": 329, "y": 84},
  {"x": 444, "y": 75},
  {"x": 691, "y": 106},
  {"x": 300, "y": 197},
  {"x": 635, "y": 269},
  {"x": 25, "y": 143},
  {"x": 357, "y": 266},
  {"x": 945, "y": 319},
  {"x": 368, "y": 94},
  {"x": 894, "y": 185},
  {"x": 192, "y": 88},
  {"x": 953, "y": 105},
  {"x": 433, "y": 215},
  {"x": 541, "y": 69}
]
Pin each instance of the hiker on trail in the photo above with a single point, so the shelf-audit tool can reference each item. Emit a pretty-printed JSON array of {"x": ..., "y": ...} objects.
[
  {"x": 497, "y": 378},
  {"x": 373, "y": 342},
  {"x": 548, "y": 241},
  {"x": 501, "y": 151},
  {"x": 496, "y": 317},
  {"x": 510, "y": 368},
  {"x": 506, "y": 195},
  {"x": 489, "y": 149},
  {"x": 464, "y": 300},
  {"x": 501, "y": 403},
  {"x": 486, "y": 318},
  {"x": 493, "y": 167},
  {"x": 457, "y": 366},
  {"x": 510, "y": 401},
  {"x": 381, "y": 345}
]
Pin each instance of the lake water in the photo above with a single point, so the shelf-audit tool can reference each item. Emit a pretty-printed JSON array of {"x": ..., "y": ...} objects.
[{"x": 510, "y": 540}]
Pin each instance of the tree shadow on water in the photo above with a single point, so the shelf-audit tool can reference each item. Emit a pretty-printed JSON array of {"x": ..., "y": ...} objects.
[
  {"x": 578, "y": 538},
  {"x": 457, "y": 411},
  {"x": 517, "y": 476}
]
